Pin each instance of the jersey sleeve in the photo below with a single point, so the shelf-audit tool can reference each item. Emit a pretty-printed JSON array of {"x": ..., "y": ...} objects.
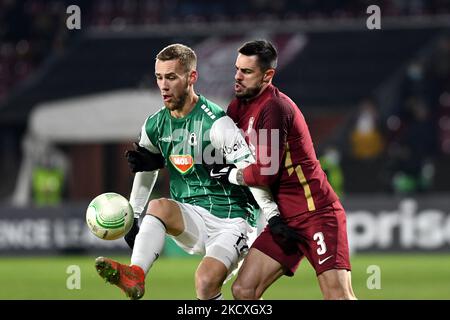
[
  {"x": 226, "y": 137},
  {"x": 149, "y": 133},
  {"x": 273, "y": 127},
  {"x": 144, "y": 182},
  {"x": 264, "y": 198}
]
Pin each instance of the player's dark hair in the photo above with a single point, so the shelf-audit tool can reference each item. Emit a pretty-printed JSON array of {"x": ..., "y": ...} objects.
[
  {"x": 264, "y": 50},
  {"x": 186, "y": 55}
]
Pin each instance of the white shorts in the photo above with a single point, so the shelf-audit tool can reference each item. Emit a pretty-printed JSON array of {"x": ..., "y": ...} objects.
[{"x": 226, "y": 240}]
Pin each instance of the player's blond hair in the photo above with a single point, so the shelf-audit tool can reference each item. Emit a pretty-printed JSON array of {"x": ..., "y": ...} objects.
[{"x": 183, "y": 53}]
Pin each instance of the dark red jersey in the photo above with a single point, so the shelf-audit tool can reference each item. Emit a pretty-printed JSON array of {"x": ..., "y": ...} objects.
[{"x": 286, "y": 162}]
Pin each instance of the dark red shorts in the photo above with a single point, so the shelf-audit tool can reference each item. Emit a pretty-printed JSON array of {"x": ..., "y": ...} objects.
[{"x": 325, "y": 244}]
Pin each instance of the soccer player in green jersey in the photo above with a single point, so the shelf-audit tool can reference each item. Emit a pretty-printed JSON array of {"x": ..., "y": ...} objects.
[{"x": 204, "y": 216}]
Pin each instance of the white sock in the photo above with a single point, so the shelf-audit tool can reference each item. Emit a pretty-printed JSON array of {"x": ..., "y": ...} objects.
[
  {"x": 149, "y": 242},
  {"x": 219, "y": 296}
]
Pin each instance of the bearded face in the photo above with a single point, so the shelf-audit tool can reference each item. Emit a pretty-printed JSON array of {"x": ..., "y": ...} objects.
[
  {"x": 248, "y": 78},
  {"x": 172, "y": 80}
]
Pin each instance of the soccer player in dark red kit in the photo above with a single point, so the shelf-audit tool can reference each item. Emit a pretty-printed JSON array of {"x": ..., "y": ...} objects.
[{"x": 312, "y": 222}]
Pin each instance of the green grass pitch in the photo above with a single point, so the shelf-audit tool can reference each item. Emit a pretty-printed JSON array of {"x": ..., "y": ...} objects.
[{"x": 402, "y": 277}]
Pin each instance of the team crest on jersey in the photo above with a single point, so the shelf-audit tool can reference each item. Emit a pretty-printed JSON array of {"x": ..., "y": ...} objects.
[{"x": 183, "y": 163}]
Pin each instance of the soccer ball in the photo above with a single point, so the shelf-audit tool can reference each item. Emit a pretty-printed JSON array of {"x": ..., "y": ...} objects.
[{"x": 109, "y": 216}]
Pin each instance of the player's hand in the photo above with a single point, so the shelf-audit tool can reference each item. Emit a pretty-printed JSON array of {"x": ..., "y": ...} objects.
[
  {"x": 220, "y": 172},
  {"x": 131, "y": 235},
  {"x": 285, "y": 235},
  {"x": 141, "y": 159}
]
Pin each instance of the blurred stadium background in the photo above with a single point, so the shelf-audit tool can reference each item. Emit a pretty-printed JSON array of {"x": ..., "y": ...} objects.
[{"x": 377, "y": 103}]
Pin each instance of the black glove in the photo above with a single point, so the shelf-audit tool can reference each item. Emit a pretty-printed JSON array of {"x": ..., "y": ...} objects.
[
  {"x": 220, "y": 172},
  {"x": 131, "y": 235},
  {"x": 141, "y": 159},
  {"x": 283, "y": 234}
]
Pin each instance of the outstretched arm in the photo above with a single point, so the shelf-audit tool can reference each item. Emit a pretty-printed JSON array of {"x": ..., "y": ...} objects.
[
  {"x": 145, "y": 160},
  {"x": 269, "y": 141},
  {"x": 230, "y": 143},
  {"x": 225, "y": 136}
]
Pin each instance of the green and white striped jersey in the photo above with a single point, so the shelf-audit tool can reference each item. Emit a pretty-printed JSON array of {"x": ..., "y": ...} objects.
[{"x": 186, "y": 143}]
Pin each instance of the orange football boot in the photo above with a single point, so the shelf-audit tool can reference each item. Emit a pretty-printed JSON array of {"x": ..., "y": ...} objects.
[{"x": 131, "y": 279}]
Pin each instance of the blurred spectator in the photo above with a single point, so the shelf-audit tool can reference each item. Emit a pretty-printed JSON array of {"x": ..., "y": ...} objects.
[
  {"x": 48, "y": 174},
  {"x": 41, "y": 23},
  {"x": 47, "y": 186},
  {"x": 411, "y": 151},
  {"x": 366, "y": 139},
  {"x": 331, "y": 164},
  {"x": 440, "y": 80},
  {"x": 415, "y": 83}
]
